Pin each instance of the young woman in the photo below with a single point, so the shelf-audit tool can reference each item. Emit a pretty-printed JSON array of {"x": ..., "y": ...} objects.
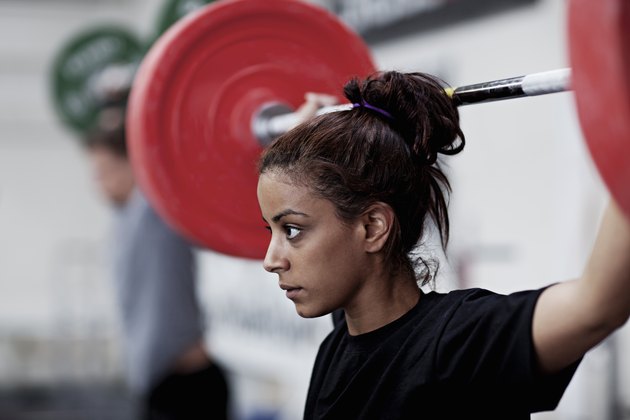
[{"x": 347, "y": 197}]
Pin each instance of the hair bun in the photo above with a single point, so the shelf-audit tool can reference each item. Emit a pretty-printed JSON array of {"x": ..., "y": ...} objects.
[{"x": 422, "y": 112}]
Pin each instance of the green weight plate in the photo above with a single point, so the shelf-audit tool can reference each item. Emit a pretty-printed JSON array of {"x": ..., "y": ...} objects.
[{"x": 77, "y": 66}]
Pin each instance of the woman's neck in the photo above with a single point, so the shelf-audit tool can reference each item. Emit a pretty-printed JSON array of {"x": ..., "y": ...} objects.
[{"x": 382, "y": 300}]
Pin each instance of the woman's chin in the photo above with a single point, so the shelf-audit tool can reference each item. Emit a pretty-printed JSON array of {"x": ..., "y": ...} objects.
[{"x": 306, "y": 312}]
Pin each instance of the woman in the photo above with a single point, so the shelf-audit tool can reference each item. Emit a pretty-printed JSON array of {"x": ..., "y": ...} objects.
[{"x": 347, "y": 196}]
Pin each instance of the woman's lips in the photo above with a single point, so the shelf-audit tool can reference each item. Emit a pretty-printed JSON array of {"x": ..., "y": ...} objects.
[{"x": 291, "y": 291}]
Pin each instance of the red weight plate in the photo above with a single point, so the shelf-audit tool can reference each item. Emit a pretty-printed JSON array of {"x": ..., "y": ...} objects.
[
  {"x": 600, "y": 61},
  {"x": 193, "y": 99}
]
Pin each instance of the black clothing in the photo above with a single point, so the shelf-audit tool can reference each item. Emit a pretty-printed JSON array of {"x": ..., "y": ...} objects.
[
  {"x": 466, "y": 354},
  {"x": 201, "y": 395}
]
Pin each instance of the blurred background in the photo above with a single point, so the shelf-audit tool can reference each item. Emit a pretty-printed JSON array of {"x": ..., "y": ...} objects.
[{"x": 525, "y": 207}]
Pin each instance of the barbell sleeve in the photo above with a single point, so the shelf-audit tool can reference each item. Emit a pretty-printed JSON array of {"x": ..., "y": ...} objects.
[{"x": 514, "y": 87}]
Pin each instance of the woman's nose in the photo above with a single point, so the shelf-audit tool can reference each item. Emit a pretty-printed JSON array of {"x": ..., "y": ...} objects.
[{"x": 275, "y": 261}]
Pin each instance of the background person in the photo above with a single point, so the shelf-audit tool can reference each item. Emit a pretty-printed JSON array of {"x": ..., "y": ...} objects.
[{"x": 154, "y": 268}]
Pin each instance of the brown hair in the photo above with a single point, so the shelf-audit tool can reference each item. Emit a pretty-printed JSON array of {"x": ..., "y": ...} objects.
[
  {"x": 361, "y": 156},
  {"x": 109, "y": 132}
]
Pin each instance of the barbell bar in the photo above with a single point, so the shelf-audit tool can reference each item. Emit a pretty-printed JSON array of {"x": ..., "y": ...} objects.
[
  {"x": 208, "y": 85},
  {"x": 270, "y": 122}
]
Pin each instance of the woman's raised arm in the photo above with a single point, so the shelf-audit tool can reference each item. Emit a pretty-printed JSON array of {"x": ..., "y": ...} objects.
[{"x": 572, "y": 317}]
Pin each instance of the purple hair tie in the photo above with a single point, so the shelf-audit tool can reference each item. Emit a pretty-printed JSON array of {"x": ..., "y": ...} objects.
[{"x": 364, "y": 104}]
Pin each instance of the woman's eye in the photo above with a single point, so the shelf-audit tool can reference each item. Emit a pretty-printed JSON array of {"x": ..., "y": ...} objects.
[{"x": 292, "y": 232}]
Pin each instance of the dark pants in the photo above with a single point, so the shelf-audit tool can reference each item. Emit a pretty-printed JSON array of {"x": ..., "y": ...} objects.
[{"x": 201, "y": 395}]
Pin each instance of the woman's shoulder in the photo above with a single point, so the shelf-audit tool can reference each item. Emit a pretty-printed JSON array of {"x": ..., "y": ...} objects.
[
  {"x": 434, "y": 300},
  {"x": 474, "y": 296},
  {"x": 455, "y": 294},
  {"x": 465, "y": 309}
]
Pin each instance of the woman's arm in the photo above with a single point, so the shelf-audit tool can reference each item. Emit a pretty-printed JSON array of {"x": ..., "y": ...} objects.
[{"x": 572, "y": 317}]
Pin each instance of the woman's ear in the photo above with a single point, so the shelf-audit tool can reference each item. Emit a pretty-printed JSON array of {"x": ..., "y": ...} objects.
[{"x": 378, "y": 222}]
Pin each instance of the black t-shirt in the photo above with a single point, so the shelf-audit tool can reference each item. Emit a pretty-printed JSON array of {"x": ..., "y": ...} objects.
[{"x": 466, "y": 354}]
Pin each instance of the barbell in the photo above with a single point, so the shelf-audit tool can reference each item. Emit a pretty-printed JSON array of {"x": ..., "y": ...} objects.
[{"x": 220, "y": 84}]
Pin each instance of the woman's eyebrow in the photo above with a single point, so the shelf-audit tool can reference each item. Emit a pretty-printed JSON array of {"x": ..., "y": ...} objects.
[{"x": 287, "y": 212}]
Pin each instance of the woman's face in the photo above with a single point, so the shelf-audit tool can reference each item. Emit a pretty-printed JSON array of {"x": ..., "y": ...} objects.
[
  {"x": 320, "y": 261},
  {"x": 113, "y": 175}
]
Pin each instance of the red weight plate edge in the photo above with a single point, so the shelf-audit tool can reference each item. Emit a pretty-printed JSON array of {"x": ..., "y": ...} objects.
[
  {"x": 144, "y": 106},
  {"x": 599, "y": 49}
]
